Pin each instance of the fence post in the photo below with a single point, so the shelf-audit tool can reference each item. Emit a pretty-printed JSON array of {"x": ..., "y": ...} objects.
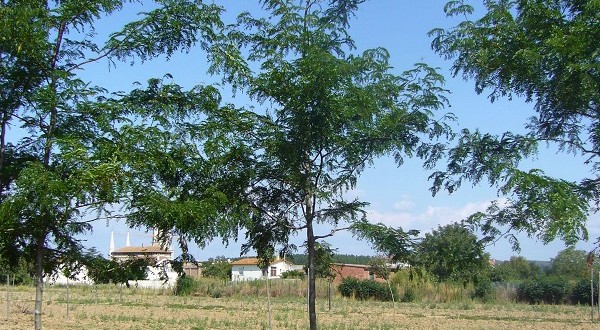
[
  {"x": 67, "y": 297},
  {"x": 7, "y": 297},
  {"x": 592, "y": 293}
]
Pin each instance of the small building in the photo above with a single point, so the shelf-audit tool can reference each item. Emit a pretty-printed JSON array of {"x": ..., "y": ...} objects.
[
  {"x": 154, "y": 253},
  {"x": 361, "y": 272},
  {"x": 160, "y": 258},
  {"x": 247, "y": 269},
  {"x": 191, "y": 269}
]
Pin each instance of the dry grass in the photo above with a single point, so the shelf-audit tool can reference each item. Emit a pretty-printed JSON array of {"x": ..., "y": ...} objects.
[{"x": 147, "y": 309}]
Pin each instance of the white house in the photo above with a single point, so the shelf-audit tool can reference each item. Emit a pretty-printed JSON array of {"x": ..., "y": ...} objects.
[
  {"x": 247, "y": 269},
  {"x": 57, "y": 277},
  {"x": 157, "y": 254}
]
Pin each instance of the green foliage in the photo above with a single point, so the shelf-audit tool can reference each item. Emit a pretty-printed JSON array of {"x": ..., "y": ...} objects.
[
  {"x": 484, "y": 290},
  {"x": 323, "y": 260},
  {"x": 365, "y": 289},
  {"x": 570, "y": 264},
  {"x": 545, "y": 51},
  {"x": 63, "y": 140},
  {"x": 218, "y": 268},
  {"x": 185, "y": 286},
  {"x": 393, "y": 242},
  {"x": 409, "y": 295},
  {"x": 545, "y": 290},
  {"x": 293, "y": 274},
  {"x": 453, "y": 253},
  {"x": 325, "y": 114},
  {"x": 581, "y": 292},
  {"x": 379, "y": 268},
  {"x": 515, "y": 269},
  {"x": 103, "y": 271}
]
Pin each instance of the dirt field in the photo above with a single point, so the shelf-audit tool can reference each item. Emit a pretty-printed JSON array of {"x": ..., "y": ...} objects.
[{"x": 108, "y": 308}]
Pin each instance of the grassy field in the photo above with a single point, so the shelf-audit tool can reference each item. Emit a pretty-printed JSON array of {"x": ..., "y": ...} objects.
[{"x": 107, "y": 307}]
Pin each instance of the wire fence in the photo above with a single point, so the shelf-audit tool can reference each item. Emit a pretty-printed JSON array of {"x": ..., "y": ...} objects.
[{"x": 19, "y": 299}]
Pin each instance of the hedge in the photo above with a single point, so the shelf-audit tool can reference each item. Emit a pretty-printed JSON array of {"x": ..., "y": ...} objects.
[{"x": 365, "y": 289}]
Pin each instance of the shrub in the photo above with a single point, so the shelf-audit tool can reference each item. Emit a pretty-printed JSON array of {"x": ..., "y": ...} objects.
[
  {"x": 293, "y": 274},
  {"x": 348, "y": 287},
  {"x": 185, "y": 286},
  {"x": 483, "y": 290},
  {"x": 545, "y": 290},
  {"x": 580, "y": 294},
  {"x": 365, "y": 289},
  {"x": 409, "y": 295}
]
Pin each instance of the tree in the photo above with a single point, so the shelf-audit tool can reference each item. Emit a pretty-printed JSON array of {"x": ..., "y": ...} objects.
[
  {"x": 217, "y": 268},
  {"x": 453, "y": 253},
  {"x": 570, "y": 264},
  {"x": 547, "y": 52},
  {"x": 515, "y": 269},
  {"x": 323, "y": 259},
  {"x": 104, "y": 271},
  {"x": 326, "y": 114},
  {"x": 61, "y": 167}
]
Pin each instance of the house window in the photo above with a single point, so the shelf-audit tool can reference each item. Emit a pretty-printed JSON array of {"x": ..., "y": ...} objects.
[
  {"x": 241, "y": 271},
  {"x": 264, "y": 272},
  {"x": 273, "y": 271},
  {"x": 371, "y": 276}
]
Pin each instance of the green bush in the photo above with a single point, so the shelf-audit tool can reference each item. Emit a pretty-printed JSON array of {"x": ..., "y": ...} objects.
[
  {"x": 293, "y": 274},
  {"x": 580, "y": 294},
  {"x": 545, "y": 290},
  {"x": 483, "y": 290},
  {"x": 365, "y": 289},
  {"x": 348, "y": 287},
  {"x": 185, "y": 286},
  {"x": 409, "y": 295}
]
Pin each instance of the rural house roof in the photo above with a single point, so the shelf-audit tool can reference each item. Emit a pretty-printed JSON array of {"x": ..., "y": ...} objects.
[{"x": 141, "y": 249}]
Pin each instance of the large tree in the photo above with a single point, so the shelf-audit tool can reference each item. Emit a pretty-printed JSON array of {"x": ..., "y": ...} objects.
[
  {"x": 324, "y": 113},
  {"x": 452, "y": 253},
  {"x": 59, "y": 164},
  {"x": 546, "y": 51}
]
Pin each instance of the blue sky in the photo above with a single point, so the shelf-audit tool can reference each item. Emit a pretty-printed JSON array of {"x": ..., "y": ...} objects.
[{"x": 398, "y": 196}]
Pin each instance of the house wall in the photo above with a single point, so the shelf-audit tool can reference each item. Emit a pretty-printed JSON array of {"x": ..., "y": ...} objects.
[
  {"x": 245, "y": 272},
  {"x": 252, "y": 272},
  {"x": 360, "y": 272}
]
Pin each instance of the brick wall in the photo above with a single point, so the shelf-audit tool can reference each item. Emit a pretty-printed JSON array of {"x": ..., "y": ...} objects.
[{"x": 360, "y": 272}]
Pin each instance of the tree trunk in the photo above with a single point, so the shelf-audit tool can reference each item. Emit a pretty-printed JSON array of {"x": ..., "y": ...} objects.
[
  {"x": 310, "y": 242},
  {"x": 39, "y": 281}
]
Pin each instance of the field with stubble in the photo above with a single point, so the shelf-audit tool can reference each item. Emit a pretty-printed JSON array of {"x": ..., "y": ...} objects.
[{"x": 108, "y": 307}]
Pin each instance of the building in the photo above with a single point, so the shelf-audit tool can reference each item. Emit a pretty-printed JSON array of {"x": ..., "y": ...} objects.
[
  {"x": 361, "y": 272},
  {"x": 247, "y": 269},
  {"x": 154, "y": 252},
  {"x": 159, "y": 256}
]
